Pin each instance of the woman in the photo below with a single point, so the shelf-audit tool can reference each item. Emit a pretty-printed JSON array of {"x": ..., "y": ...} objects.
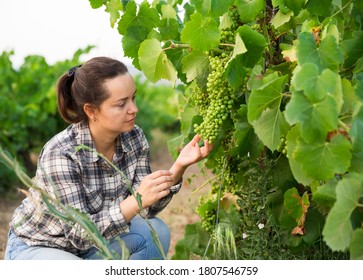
[{"x": 98, "y": 100}]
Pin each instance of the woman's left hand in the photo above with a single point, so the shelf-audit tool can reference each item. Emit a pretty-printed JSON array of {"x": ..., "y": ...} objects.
[{"x": 192, "y": 153}]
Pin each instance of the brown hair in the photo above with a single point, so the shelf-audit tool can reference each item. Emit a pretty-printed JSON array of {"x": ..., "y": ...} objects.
[{"x": 85, "y": 84}]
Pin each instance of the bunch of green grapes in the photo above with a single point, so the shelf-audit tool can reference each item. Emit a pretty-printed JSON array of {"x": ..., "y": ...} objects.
[
  {"x": 209, "y": 220},
  {"x": 216, "y": 102},
  {"x": 282, "y": 147}
]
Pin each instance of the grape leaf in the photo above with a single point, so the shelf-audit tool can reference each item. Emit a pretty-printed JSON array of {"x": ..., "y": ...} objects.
[
  {"x": 255, "y": 44},
  {"x": 296, "y": 206},
  {"x": 293, "y": 137},
  {"x": 268, "y": 95},
  {"x": 264, "y": 111},
  {"x": 239, "y": 47},
  {"x": 95, "y": 4},
  {"x": 195, "y": 64},
  {"x": 356, "y": 134},
  {"x": 270, "y": 127},
  {"x": 113, "y": 7},
  {"x": 338, "y": 229},
  {"x": 321, "y": 160},
  {"x": 280, "y": 19},
  {"x": 326, "y": 55},
  {"x": 154, "y": 62},
  {"x": 295, "y": 5},
  {"x": 132, "y": 40},
  {"x": 317, "y": 86},
  {"x": 201, "y": 33},
  {"x": 356, "y": 245},
  {"x": 325, "y": 195},
  {"x": 218, "y": 7},
  {"x": 353, "y": 49},
  {"x": 249, "y": 9},
  {"x": 319, "y": 8},
  {"x": 316, "y": 119},
  {"x": 169, "y": 29},
  {"x": 146, "y": 18}
]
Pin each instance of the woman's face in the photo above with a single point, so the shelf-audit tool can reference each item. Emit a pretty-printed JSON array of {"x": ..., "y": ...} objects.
[{"x": 118, "y": 112}]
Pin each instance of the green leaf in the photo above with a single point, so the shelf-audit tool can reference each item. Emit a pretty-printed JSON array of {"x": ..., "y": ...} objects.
[
  {"x": 218, "y": 7},
  {"x": 270, "y": 127},
  {"x": 325, "y": 195},
  {"x": 317, "y": 86},
  {"x": 280, "y": 19},
  {"x": 246, "y": 139},
  {"x": 319, "y": 8},
  {"x": 326, "y": 55},
  {"x": 356, "y": 134},
  {"x": 249, "y": 9},
  {"x": 264, "y": 111},
  {"x": 113, "y": 7},
  {"x": 147, "y": 18},
  {"x": 201, "y": 33},
  {"x": 255, "y": 44},
  {"x": 235, "y": 72},
  {"x": 353, "y": 49},
  {"x": 356, "y": 245},
  {"x": 95, "y": 4},
  {"x": 239, "y": 47},
  {"x": 338, "y": 229},
  {"x": 195, "y": 64},
  {"x": 154, "y": 62},
  {"x": 267, "y": 95},
  {"x": 295, "y": 5},
  {"x": 321, "y": 160},
  {"x": 169, "y": 29},
  {"x": 132, "y": 40},
  {"x": 316, "y": 119},
  {"x": 297, "y": 206}
]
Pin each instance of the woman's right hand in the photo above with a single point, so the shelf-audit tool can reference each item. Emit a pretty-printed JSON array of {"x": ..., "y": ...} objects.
[{"x": 154, "y": 187}]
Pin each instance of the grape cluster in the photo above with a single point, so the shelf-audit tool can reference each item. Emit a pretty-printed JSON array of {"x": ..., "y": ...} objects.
[
  {"x": 282, "y": 147},
  {"x": 209, "y": 220},
  {"x": 215, "y": 103}
]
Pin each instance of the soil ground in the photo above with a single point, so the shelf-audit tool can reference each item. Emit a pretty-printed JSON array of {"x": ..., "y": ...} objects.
[{"x": 179, "y": 213}]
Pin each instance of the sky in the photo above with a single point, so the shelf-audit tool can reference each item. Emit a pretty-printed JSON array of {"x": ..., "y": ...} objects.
[{"x": 56, "y": 29}]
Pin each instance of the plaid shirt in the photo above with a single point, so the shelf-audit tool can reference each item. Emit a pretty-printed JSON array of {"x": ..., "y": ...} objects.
[{"x": 85, "y": 181}]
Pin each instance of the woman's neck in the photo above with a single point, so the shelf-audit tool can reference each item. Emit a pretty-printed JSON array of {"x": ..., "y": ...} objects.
[{"x": 104, "y": 142}]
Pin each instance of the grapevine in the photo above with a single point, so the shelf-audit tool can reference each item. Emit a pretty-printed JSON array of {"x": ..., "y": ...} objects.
[{"x": 271, "y": 82}]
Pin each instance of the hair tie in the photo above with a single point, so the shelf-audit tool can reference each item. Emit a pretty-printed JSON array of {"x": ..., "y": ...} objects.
[{"x": 73, "y": 70}]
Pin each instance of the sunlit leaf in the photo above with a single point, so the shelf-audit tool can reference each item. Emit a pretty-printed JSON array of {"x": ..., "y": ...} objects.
[
  {"x": 201, "y": 33},
  {"x": 154, "y": 62},
  {"x": 356, "y": 245},
  {"x": 321, "y": 160},
  {"x": 249, "y": 9},
  {"x": 338, "y": 229},
  {"x": 195, "y": 64}
]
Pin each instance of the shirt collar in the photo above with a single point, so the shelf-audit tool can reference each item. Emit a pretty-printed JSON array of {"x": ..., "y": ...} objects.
[{"x": 84, "y": 137}]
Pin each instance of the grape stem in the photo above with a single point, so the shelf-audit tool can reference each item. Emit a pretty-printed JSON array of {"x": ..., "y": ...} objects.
[
  {"x": 343, "y": 125},
  {"x": 176, "y": 46},
  {"x": 206, "y": 183}
]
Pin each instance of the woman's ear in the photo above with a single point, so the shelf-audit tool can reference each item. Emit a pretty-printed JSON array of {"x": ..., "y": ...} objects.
[{"x": 90, "y": 111}]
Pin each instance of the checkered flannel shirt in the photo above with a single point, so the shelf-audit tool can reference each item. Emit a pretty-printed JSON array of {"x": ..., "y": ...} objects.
[{"x": 84, "y": 180}]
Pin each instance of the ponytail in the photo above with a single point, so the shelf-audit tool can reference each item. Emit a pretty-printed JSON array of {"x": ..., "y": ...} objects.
[{"x": 67, "y": 106}]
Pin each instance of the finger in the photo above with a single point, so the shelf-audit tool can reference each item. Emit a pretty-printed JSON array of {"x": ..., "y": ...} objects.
[
  {"x": 163, "y": 193},
  {"x": 161, "y": 180},
  {"x": 160, "y": 173},
  {"x": 162, "y": 187},
  {"x": 195, "y": 140}
]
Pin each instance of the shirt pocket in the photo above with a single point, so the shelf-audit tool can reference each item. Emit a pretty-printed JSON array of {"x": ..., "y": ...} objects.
[{"x": 94, "y": 195}]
